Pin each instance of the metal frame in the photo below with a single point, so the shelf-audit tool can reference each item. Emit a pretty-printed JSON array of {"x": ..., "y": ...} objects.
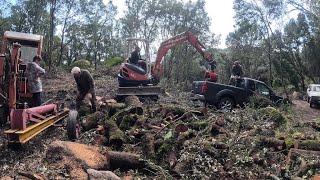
[{"x": 22, "y": 136}]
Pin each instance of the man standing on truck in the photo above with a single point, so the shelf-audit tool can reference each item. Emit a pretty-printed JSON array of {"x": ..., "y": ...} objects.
[
  {"x": 211, "y": 75},
  {"x": 34, "y": 72},
  {"x": 236, "y": 74},
  {"x": 85, "y": 85}
]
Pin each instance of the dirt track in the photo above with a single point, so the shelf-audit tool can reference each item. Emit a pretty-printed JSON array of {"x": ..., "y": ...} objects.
[{"x": 303, "y": 111}]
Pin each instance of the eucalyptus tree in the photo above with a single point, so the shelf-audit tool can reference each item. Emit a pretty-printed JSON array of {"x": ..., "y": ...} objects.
[{"x": 261, "y": 14}]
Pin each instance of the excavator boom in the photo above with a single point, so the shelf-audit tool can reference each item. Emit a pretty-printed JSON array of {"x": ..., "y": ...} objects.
[{"x": 174, "y": 41}]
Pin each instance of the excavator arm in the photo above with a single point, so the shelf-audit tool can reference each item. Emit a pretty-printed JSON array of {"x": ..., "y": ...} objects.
[{"x": 174, "y": 41}]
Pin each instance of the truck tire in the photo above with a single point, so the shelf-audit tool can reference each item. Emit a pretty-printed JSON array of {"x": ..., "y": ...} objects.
[
  {"x": 226, "y": 104},
  {"x": 73, "y": 126}
]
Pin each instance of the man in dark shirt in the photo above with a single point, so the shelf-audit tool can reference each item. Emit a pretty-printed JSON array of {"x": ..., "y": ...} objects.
[
  {"x": 236, "y": 74},
  {"x": 135, "y": 56},
  {"x": 237, "y": 69},
  {"x": 85, "y": 85}
]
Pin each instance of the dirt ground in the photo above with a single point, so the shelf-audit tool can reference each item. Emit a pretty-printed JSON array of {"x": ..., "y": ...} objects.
[
  {"x": 61, "y": 87},
  {"x": 303, "y": 111}
]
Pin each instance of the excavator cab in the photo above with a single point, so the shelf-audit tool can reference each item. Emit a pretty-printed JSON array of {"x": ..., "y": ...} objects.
[{"x": 140, "y": 72}]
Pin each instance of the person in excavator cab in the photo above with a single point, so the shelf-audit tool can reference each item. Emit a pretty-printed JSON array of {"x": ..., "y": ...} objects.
[
  {"x": 236, "y": 74},
  {"x": 135, "y": 58}
]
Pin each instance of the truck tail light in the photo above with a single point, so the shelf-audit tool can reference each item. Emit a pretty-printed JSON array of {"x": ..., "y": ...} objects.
[{"x": 204, "y": 88}]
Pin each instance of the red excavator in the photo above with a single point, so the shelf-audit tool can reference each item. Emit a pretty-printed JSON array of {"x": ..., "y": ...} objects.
[{"x": 140, "y": 79}]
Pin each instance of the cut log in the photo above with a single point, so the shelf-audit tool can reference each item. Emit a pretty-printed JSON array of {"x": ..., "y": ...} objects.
[
  {"x": 100, "y": 175},
  {"x": 304, "y": 169},
  {"x": 112, "y": 108},
  {"x": 92, "y": 120},
  {"x": 149, "y": 145},
  {"x": 172, "y": 158},
  {"x": 114, "y": 134},
  {"x": 125, "y": 160},
  {"x": 169, "y": 110},
  {"x": 273, "y": 142},
  {"x": 64, "y": 152},
  {"x": 135, "y": 104},
  {"x": 308, "y": 145},
  {"x": 220, "y": 145},
  {"x": 128, "y": 121},
  {"x": 296, "y": 152},
  {"x": 31, "y": 175}
]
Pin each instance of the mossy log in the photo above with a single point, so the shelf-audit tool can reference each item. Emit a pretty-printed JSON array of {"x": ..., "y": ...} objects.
[
  {"x": 128, "y": 121},
  {"x": 111, "y": 106},
  {"x": 135, "y": 104},
  {"x": 149, "y": 145},
  {"x": 305, "y": 168},
  {"x": 170, "y": 110},
  {"x": 308, "y": 145},
  {"x": 293, "y": 152},
  {"x": 92, "y": 120},
  {"x": 115, "y": 135},
  {"x": 125, "y": 160},
  {"x": 273, "y": 142},
  {"x": 272, "y": 114}
]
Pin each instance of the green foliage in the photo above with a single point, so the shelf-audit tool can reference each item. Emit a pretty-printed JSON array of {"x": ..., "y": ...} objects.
[
  {"x": 113, "y": 61},
  {"x": 82, "y": 64},
  {"x": 258, "y": 101},
  {"x": 272, "y": 114}
]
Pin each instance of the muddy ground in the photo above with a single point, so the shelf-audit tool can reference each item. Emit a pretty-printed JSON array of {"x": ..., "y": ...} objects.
[{"x": 242, "y": 131}]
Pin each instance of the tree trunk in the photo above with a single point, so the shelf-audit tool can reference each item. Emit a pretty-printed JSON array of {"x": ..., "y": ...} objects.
[
  {"x": 52, "y": 11},
  {"x": 135, "y": 104},
  {"x": 125, "y": 160}
]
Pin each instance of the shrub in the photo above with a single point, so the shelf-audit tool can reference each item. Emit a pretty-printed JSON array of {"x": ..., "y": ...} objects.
[
  {"x": 272, "y": 114},
  {"x": 82, "y": 64},
  {"x": 113, "y": 61},
  {"x": 258, "y": 101}
]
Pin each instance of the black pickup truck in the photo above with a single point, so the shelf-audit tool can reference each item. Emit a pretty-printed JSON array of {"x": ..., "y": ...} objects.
[{"x": 228, "y": 96}]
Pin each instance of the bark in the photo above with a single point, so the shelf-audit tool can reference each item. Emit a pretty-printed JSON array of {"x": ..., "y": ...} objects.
[
  {"x": 125, "y": 160},
  {"x": 308, "y": 145},
  {"x": 273, "y": 142},
  {"x": 304, "y": 169},
  {"x": 31, "y": 176},
  {"x": 92, "y": 120},
  {"x": 135, "y": 104},
  {"x": 115, "y": 135},
  {"x": 149, "y": 145}
]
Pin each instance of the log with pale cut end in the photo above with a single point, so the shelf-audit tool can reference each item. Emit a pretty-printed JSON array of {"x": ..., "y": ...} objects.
[
  {"x": 125, "y": 161},
  {"x": 62, "y": 152},
  {"x": 135, "y": 104}
]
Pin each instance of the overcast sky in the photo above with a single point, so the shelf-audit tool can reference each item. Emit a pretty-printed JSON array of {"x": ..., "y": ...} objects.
[{"x": 220, "y": 12}]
